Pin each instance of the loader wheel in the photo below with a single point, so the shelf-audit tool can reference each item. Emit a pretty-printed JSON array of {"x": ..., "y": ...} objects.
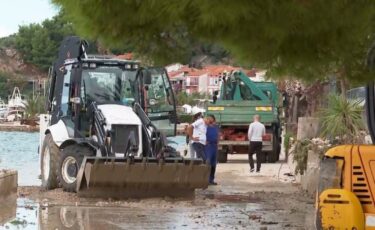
[
  {"x": 49, "y": 163},
  {"x": 70, "y": 163}
]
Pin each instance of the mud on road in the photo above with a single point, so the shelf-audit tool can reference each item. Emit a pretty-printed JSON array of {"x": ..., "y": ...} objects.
[{"x": 269, "y": 200}]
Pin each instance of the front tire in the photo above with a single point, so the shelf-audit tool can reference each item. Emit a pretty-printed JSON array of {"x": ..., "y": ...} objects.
[
  {"x": 70, "y": 163},
  {"x": 49, "y": 163}
]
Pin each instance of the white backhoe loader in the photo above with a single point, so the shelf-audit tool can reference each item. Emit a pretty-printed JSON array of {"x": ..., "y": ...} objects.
[{"x": 106, "y": 128}]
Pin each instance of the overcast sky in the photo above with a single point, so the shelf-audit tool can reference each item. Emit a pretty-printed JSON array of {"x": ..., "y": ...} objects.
[{"x": 22, "y": 12}]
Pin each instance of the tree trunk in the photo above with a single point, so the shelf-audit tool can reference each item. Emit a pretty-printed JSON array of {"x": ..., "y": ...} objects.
[
  {"x": 343, "y": 87},
  {"x": 295, "y": 110}
]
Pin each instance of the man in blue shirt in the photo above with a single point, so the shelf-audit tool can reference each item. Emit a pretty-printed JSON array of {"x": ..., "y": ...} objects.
[{"x": 212, "y": 137}]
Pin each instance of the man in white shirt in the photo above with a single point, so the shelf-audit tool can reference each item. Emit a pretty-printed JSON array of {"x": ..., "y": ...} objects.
[
  {"x": 199, "y": 135},
  {"x": 255, "y": 134}
]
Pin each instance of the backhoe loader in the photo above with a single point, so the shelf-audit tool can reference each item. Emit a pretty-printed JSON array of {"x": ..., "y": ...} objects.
[
  {"x": 346, "y": 190},
  {"x": 106, "y": 128}
]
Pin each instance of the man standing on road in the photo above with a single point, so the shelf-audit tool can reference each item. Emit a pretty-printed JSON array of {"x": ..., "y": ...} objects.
[
  {"x": 255, "y": 135},
  {"x": 189, "y": 136},
  {"x": 211, "y": 148},
  {"x": 199, "y": 136}
]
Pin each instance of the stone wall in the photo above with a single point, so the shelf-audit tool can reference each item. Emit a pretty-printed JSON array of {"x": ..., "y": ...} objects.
[
  {"x": 8, "y": 184},
  {"x": 308, "y": 128}
]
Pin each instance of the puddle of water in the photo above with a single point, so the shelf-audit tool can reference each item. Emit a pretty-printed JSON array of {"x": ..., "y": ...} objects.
[
  {"x": 21, "y": 214},
  {"x": 19, "y": 151},
  {"x": 31, "y": 215}
]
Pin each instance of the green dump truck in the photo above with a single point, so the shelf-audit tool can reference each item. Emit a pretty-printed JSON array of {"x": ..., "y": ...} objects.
[{"x": 240, "y": 99}]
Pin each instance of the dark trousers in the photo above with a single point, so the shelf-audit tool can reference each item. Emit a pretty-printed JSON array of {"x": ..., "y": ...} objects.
[
  {"x": 211, "y": 154},
  {"x": 255, "y": 147},
  {"x": 199, "y": 149}
]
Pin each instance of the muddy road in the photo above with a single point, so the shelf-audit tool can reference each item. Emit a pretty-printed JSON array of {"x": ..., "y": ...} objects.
[{"x": 269, "y": 200}]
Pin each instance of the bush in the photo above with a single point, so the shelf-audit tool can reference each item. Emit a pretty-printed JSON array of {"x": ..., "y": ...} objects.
[
  {"x": 342, "y": 119},
  {"x": 185, "y": 118}
]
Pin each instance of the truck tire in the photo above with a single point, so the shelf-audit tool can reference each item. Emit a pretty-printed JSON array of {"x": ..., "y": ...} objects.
[
  {"x": 274, "y": 155},
  {"x": 222, "y": 156},
  {"x": 49, "y": 163},
  {"x": 70, "y": 163}
]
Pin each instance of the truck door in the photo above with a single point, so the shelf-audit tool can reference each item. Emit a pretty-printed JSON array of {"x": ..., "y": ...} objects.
[{"x": 157, "y": 99}]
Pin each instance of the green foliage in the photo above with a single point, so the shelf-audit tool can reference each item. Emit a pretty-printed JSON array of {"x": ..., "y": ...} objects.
[
  {"x": 307, "y": 39},
  {"x": 33, "y": 107},
  {"x": 185, "y": 118},
  {"x": 342, "y": 118},
  {"x": 9, "y": 41},
  {"x": 301, "y": 152},
  {"x": 39, "y": 43},
  {"x": 300, "y": 155},
  {"x": 287, "y": 141},
  {"x": 8, "y": 82}
]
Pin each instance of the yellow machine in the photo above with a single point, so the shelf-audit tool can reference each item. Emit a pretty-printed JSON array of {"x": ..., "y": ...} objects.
[{"x": 346, "y": 191}]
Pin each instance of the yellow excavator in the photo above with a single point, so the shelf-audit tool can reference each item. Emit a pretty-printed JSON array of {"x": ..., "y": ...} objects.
[{"x": 346, "y": 190}]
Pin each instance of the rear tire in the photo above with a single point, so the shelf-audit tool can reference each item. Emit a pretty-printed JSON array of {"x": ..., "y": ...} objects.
[
  {"x": 49, "y": 163},
  {"x": 70, "y": 163},
  {"x": 222, "y": 156},
  {"x": 274, "y": 155}
]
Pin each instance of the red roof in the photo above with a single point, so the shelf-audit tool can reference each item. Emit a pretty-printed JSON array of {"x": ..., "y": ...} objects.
[
  {"x": 215, "y": 70},
  {"x": 197, "y": 73},
  {"x": 125, "y": 56},
  {"x": 211, "y": 70},
  {"x": 174, "y": 74}
]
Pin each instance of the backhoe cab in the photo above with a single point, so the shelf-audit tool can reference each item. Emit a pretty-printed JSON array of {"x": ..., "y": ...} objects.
[{"x": 105, "y": 132}]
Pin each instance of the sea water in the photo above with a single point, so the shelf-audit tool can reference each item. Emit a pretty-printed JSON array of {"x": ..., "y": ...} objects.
[{"x": 19, "y": 151}]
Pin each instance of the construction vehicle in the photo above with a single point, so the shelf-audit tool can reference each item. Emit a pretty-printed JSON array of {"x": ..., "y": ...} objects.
[
  {"x": 239, "y": 100},
  {"x": 346, "y": 190},
  {"x": 106, "y": 128}
]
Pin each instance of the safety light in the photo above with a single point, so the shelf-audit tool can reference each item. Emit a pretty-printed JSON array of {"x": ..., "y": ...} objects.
[
  {"x": 85, "y": 65},
  {"x": 263, "y": 108},
  {"x": 128, "y": 66},
  {"x": 218, "y": 108},
  {"x": 92, "y": 65},
  {"x": 135, "y": 66}
]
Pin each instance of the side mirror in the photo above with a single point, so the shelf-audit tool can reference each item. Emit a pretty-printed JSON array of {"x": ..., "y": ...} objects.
[
  {"x": 216, "y": 92},
  {"x": 146, "y": 87},
  {"x": 147, "y": 78}
]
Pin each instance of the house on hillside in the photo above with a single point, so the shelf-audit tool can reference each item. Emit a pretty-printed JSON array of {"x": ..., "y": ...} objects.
[{"x": 205, "y": 80}]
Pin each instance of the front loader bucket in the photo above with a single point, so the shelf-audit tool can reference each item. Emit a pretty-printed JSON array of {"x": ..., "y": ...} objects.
[{"x": 137, "y": 178}]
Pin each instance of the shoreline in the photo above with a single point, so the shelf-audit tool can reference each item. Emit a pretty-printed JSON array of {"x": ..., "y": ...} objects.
[{"x": 11, "y": 127}]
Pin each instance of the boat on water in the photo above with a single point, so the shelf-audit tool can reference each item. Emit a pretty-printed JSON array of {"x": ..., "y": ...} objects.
[{"x": 16, "y": 106}]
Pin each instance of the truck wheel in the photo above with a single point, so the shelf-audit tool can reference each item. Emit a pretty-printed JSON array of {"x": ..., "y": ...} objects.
[
  {"x": 49, "y": 163},
  {"x": 70, "y": 163},
  {"x": 222, "y": 156},
  {"x": 273, "y": 156}
]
